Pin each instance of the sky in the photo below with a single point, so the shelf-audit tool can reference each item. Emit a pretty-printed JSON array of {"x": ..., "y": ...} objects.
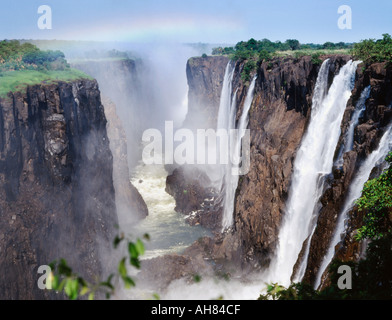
[{"x": 193, "y": 21}]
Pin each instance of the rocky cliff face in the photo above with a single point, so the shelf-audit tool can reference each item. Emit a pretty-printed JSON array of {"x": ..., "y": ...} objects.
[
  {"x": 56, "y": 188},
  {"x": 129, "y": 203},
  {"x": 205, "y": 79},
  {"x": 367, "y": 135},
  {"x": 118, "y": 81},
  {"x": 119, "y": 84},
  {"x": 278, "y": 118},
  {"x": 190, "y": 186},
  {"x": 277, "y": 122}
]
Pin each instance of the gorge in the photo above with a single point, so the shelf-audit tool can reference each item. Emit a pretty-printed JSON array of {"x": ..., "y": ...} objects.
[
  {"x": 71, "y": 169},
  {"x": 288, "y": 95}
]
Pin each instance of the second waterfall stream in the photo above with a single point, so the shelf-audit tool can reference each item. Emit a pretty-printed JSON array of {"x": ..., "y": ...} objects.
[
  {"x": 313, "y": 163},
  {"x": 228, "y": 179}
]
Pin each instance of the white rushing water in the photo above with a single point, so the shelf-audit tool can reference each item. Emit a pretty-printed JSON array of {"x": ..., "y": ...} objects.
[
  {"x": 313, "y": 163},
  {"x": 169, "y": 231},
  {"x": 227, "y": 121},
  {"x": 354, "y": 193},
  {"x": 360, "y": 107}
]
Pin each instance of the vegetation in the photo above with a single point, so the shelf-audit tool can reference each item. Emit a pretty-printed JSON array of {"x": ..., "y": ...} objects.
[
  {"x": 15, "y": 56},
  {"x": 371, "y": 50},
  {"x": 372, "y": 277},
  {"x": 272, "y": 47},
  {"x": 63, "y": 279},
  {"x": 24, "y": 64},
  {"x": 19, "y": 80},
  {"x": 376, "y": 202},
  {"x": 249, "y": 66},
  {"x": 254, "y": 52}
]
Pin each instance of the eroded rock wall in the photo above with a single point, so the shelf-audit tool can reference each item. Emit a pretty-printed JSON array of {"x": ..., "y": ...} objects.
[{"x": 56, "y": 188}]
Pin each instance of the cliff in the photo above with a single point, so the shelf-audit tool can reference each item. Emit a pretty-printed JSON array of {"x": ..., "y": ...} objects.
[
  {"x": 120, "y": 85},
  {"x": 118, "y": 81},
  {"x": 279, "y": 116},
  {"x": 129, "y": 203},
  {"x": 205, "y": 79},
  {"x": 56, "y": 188},
  {"x": 372, "y": 125}
]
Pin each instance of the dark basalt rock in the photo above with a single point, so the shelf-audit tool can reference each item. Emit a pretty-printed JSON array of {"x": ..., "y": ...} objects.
[
  {"x": 205, "y": 79},
  {"x": 278, "y": 119},
  {"x": 129, "y": 202},
  {"x": 189, "y": 187},
  {"x": 56, "y": 188},
  {"x": 366, "y": 138}
]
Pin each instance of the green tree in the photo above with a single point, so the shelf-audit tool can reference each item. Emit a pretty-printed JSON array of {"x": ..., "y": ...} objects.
[
  {"x": 372, "y": 50},
  {"x": 249, "y": 66},
  {"x": 376, "y": 202},
  {"x": 329, "y": 45},
  {"x": 293, "y": 44},
  {"x": 264, "y": 55},
  {"x": 64, "y": 279}
]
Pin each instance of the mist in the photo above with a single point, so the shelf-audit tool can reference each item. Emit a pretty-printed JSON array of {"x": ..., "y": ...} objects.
[{"x": 142, "y": 87}]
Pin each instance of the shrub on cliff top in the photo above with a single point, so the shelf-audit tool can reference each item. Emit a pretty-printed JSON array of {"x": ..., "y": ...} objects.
[
  {"x": 264, "y": 55},
  {"x": 15, "y": 56},
  {"x": 25, "y": 64},
  {"x": 247, "y": 49},
  {"x": 249, "y": 66},
  {"x": 371, "y": 50}
]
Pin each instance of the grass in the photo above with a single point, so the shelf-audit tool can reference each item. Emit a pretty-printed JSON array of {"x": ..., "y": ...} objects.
[
  {"x": 304, "y": 52},
  {"x": 310, "y": 52},
  {"x": 17, "y": 81}
]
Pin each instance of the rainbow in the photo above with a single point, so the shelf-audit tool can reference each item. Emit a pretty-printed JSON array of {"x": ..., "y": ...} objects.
[{"x": 152, "y": 28}]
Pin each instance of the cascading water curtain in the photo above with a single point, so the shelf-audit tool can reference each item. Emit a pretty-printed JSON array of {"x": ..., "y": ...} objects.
[
  {"x": 227, "y": 121},
  {"x": 355, "y": 191},
  {"x": 313, "y": 163}
]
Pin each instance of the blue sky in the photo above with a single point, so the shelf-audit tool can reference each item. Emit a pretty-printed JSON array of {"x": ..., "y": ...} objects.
[{"x": 213, "y": 21}]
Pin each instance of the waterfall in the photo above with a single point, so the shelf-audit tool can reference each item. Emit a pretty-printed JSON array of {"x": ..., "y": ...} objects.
[
  {"x": 360, "y": 107},
  {"x": 225, "y": 105},
  {"x": 313, "y": 163},
  {"x": 227, "y": 121},
  {"x": 355, "y": 191}
]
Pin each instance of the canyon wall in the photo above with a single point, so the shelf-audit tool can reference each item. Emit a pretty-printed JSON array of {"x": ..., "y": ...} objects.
[
  {"x": 205, "y": 79},
  {"x": 372, "y": 125},
  {"x": 125, "y": 110},
  {"x": 119, "y": 82},
  {"x": 129, "y": 203},
  {"x": 56, "y": 188},
  {"x": 277, "y": 121}
]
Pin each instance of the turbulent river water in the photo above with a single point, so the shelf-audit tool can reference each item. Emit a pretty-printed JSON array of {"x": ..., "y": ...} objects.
[{"x": 168, "y": 230}]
